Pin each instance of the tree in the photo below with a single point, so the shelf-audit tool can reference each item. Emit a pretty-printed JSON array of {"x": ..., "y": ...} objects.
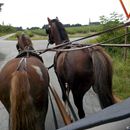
[{"x": 109, "y": 22}]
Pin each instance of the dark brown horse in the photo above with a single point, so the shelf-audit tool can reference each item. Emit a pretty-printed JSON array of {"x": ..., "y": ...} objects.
[
  {"x": 24, "y": 83},
  {"x": 81, "y": 69}
]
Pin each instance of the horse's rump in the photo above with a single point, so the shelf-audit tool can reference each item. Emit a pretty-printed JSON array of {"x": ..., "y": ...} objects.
[
  {"x": 25, "y": 93},
  {"x": 86, "y": 68},
  {"x": 76, "y": 62}
]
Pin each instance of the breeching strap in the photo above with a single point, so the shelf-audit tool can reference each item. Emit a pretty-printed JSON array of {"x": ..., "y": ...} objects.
[{"x": 54, "y": 114}]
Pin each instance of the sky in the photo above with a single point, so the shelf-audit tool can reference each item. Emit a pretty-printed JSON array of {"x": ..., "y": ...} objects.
[{"x": 34, "y": 13}]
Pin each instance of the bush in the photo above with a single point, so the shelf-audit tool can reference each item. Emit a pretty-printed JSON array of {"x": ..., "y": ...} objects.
[
  {"x": 40, "y": 32},
  {"x": 83, "y": 29},
  {"x": 110, "y": 22},
  {"x": 5, "y": 29}
]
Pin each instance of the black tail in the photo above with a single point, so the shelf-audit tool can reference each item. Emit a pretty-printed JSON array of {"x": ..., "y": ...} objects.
[{"x": 103, "y": 76}]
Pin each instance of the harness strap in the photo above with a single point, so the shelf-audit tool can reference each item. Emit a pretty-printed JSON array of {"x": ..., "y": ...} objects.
[
  {"x": 22, "y": 66},
  {"x": 29, "y": 53},
  {"x": 50, "y": 66},
  {"x": 53, "y": 110}
]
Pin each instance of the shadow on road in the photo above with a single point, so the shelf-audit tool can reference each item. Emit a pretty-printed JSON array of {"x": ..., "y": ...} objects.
[{"x": 2, "y": 56}]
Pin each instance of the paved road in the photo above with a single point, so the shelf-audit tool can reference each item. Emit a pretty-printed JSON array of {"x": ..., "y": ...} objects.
[{"x": 8, "y": 51}]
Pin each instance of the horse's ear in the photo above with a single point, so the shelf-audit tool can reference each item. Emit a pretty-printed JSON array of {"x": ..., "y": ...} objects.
[
  {"x": 49, "y": 21},
  {"x": 57, "y": 18}
]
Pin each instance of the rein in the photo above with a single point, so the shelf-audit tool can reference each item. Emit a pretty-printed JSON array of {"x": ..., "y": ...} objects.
[
  {"x": 21, "y": 66},
  {"x": 85, "y": 46},
  {"x": 56, "y": 48},
  {"x": 102, "y": 32}
]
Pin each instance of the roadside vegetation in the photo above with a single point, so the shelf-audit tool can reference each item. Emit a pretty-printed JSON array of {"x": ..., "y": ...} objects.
[
  {"x": 121, "y": 71},
  {"x": 121, "y": 67},
  {"x": 6, "y": 29}
]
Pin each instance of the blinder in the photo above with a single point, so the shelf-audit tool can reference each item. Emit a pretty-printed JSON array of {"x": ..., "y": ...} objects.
[
  {"x": 18, "y": 48},
  {"x": 50, "y": 38},
  {"x": 47, "y": 30}
]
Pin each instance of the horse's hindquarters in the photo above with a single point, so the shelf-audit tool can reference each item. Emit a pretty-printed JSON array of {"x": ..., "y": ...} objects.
[
  {"x": 36, "y": 76},
  {"x": 39, "y": 81},
  {"x": 75, "y": 66}
]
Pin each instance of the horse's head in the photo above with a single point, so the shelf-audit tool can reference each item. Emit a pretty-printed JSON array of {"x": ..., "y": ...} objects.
[
  {"x": 24, "y": 43},
  {"x": 56, "y": 32}
]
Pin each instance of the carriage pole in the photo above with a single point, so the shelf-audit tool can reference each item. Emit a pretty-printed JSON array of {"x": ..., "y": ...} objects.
[{"x": 67, "y": 119}]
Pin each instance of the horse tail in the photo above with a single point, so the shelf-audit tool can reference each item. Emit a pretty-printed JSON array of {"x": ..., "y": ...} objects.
[
  {"x": 22, "y": 113},
  {"x": 103, "y": 72}
]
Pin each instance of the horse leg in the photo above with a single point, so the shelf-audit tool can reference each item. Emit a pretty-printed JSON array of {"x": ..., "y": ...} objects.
[
  {"x": 67, "y": 94},
  {"x": 78, "y": 100},
  {"x": 63, "y": 88}
]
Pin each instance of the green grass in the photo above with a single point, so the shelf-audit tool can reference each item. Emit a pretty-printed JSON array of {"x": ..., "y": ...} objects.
[
  {"x": 121, "y": 76},
  {"x": 83, "y": 29},
  {"x": 80, "y": 31},
  {"x": 33, "y": 36}
]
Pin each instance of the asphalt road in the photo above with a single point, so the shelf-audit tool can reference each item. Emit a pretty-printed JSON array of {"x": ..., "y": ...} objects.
[{"x": 8, "y": 51}]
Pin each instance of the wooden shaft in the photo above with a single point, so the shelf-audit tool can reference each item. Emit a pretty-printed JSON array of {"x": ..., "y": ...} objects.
[
  {"x": 65, "y": 116},
  {"x": 123, "y": 6}
]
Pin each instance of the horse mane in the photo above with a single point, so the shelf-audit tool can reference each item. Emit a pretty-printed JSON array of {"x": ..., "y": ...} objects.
[{"x": 62, "y": 32}]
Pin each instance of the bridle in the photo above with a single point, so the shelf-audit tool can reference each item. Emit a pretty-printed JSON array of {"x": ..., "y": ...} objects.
[
  {"x": 20, "y": 49},
  {"x": 50, "y": 38}
]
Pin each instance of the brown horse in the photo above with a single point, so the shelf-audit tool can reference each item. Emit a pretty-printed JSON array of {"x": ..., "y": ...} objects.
[
  {"x": 24, "y": 83},
  {"x": 81, "y": 69}
]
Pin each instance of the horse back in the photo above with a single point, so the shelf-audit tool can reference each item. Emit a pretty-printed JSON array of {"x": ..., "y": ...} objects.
[
  {"x": 37, "y": 75},
  {"x": 74, "y": 64}
]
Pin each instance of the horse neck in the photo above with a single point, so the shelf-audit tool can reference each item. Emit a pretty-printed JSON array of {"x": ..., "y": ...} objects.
[
  {"x": 30, "y": 47},
  {"x": 57, "y": 37},
  {"x": 59, "y": 41}
]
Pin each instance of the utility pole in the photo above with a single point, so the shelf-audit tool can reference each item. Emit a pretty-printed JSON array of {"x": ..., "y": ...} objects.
[{"x": 124, "y": 4}]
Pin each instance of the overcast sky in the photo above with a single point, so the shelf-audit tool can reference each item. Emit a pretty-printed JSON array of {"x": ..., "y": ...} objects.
[{"x": 30, "y": 13}]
